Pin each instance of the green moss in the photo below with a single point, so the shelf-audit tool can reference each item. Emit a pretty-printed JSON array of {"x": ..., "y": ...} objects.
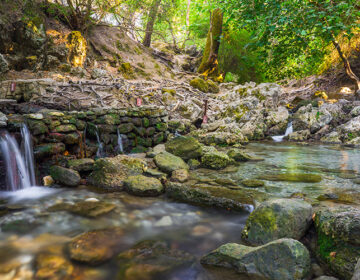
[
  {"x": 141, "y": 65},
  {"x": 293, "y": 177},
  {"x": 326, "y": 245},
  {"x": 168, "y": 90},
  {"x": 138, "y": 51},
  {"x": 252, "y": 183},
  {"x": 200, "y": 84}
]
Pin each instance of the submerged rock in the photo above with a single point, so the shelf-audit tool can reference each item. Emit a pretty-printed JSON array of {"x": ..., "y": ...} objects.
[
  {"x": 95, "y": 247},
  {"x": 65, "y": 176},
  {"x": 143, "y": 186},
  {"x": 278, "y": 218},
  {"x": 168, "y": 162},
  {"x": 185, "y": 147},
  {"x": 252, "y": 183},
  {"x": 151, "y": 260},
  {"x": 90, "y": 209},
  {"x": 110, "y": 173},
  {"x": 239, "y": 155},
  {"x": 293, "y": 177},
  {"x": 338, "y": 239},
  {"x": 284, "y": 259}
]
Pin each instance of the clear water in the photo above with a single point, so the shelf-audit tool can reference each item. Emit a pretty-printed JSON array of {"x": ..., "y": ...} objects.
[{"x": 192, "y": 229}]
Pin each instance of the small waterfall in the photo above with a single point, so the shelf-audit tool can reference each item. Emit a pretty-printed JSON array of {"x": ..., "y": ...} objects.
[
  {"x": 17, "y": 172},
  {"x": 28, "y": 153},
  {"x": 100, "y": 152},
  {"x": 120, "y": 142},
  {"x": 288, "y": 131}
]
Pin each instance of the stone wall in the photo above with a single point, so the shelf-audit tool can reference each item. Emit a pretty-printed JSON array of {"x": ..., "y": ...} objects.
[{"x": 58, "y": 132}]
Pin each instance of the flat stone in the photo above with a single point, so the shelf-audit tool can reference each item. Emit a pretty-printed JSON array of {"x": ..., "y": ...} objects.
[{"x": 143, "y": 186}]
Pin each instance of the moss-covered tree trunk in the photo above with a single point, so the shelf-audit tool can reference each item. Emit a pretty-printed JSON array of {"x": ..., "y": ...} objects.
[
  {"x": 209, "y": 63},
  {"x": 151, "y": 21}
]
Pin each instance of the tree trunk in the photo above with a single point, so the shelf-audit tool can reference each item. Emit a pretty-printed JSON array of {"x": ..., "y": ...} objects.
[
  {"x": 348, "y": 69},
  {"x": 151, "y": 21},
  {"x": 209, "y": 63}
]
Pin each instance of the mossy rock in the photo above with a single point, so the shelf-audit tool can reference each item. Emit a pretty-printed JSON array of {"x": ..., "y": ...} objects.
[
  {"x": 215, "y": 160},
  {"x": 275, "y": 219},
  {"x": 91, "y": 209},
  {"x": 47, "y": 150},
  {"x": 126, "y": 128},
  {"x": 168, "y": 90},
  {"x": 168, "y": 163},
  {"x": 240, "y": 155},
  {"x": 65, "y": 176},
  {"x": 37, "y": 127},
  {"x": 143, "y": 186},
  {"x": 213, "y": 87},
  {"x": 293, "y": 177},
  {"x": 200, "y": 84},
  {"x": 285, "y": 259},
  {"x": 81, "y": 165},
  {"x": 65, "y": 128},
  {"x": 185, "y": 147}
]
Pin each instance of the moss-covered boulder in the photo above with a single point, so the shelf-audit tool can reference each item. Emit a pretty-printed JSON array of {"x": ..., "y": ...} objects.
[
  {"x": 252, "y": 183},
  {"x": 143, "y": 186},
  {"x": 292, "y": 177},
  {"x": 168, "y": 163},
  {"x": 110, "y": 173},
  {"x": 200, "y": 84},
  {"x": 47, "y": 150},
  {"x": 215, "y": 160},
  {"x": 284, "y": 259},
  {"x": 81, "y": 165},
  {"x": 180, "y": 175},
  {"x": 95, "y": 247},
  {"x": 185, "y": 147},
  {"x": 215, "y": 196},
  {"x": 158, "y": 262},
  {"x": 338, "y": 239},
  {"x": 65, "y": 176},
  {"x": 277, "y": 218}
]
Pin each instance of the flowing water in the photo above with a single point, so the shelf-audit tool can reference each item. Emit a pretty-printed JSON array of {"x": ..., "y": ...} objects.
[
  {"x": 100, "y": 151},
  {"x": 120, "y": 142},
  {"x": 288, "y": 131},
  {"x": 28, "y": 153},
  {"x": 28, "y": 226}
]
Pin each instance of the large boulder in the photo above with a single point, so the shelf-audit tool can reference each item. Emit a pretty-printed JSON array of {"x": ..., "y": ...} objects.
[
  {"x": 95, "y": 247},
  {"x": 338, "y": 239},
  {"x": 168, "y": 162},
  {"x": 65, "y": 176},
  {"x": 143, "y": 186},
  {"x": 110, "y": 173},
  {"x": 278, "y": 218},
  {"x": 350, "y": 130},
  {"x": 284, "y": 259},
  {"x": 81, "y": 165},
  {"x": 185, "y": 147}
]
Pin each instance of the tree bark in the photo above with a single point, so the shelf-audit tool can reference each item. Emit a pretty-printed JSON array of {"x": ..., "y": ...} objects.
[
  {"x": 209, "y": 63},
  {"x": 151, "y": 21},
  {"x": 348, "y": 69}
]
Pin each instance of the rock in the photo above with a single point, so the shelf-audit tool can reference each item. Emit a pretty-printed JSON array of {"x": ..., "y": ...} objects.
[
  {"x": 201, "y": 230},
  {"x": 325, "y": 278},
  {"x": 53, "y": 265},
  {"x": 168, "y": 162},
  {"x": 152, "y": 260},
  {"x": 95, "y": 247},
  {"x": 91, "y": 209},
  {"x": 165, "y": 221},
  {"x": 284, "y": 259},
  {"x": 110, "y": 173},
  {"x": 4, "y": 65},
  {"x": 239, "y": 155},
  {"x": 275, "y": 219},
  {"x": 351, "y": 129},
  {"x": 200, "y": 84},
  {"x": 65, "y": 128},
  {"x": 194, "y": 164},
  {"x": 331, "y": 138},
  {"x": 215, "y": 160},
  {"x": 155, "y": 173},
  {"x": 48, "y": 181},
  {"x": 143, "y": 186},
  {"x": 47, "y": 150},
  {"x": 338, "y": 239},
  {"x": 186, "y": 147},
  {"x": 252, "y": 183},
  {"x": 97, "y": 73},
  {"x": 180, "y": 175},
  {"x": 355, "y": 111},
  {"x": 65, "y": 176},
  {"x": 215, "y": 196},
  {"x": 3, "y": 120},
  {"x": 356, "y": 275},
  {"x": 301, "y": 135},
  {"x": 19, "y": 226},
  {"x": 81, "y": 165},
  {"x": 293, "y": 177}
]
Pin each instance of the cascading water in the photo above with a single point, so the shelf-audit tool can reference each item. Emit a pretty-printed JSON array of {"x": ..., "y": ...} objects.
[
  {"x": 120, "y": 142},
  {"x": 288, "y": 131},
  {"x": 100, "y": 151},
  {"x": 28, "y": 154},
  {"x": 17, "y": 172}
]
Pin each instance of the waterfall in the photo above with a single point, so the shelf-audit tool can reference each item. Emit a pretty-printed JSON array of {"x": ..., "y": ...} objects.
[
  {"x": 100, "y": 152},
  {"x": 28, "y": 153},
  {"x": 288, "y": 131},
  {"x": 120, "y": 142},
  {"x": 17, "y": 170}
]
